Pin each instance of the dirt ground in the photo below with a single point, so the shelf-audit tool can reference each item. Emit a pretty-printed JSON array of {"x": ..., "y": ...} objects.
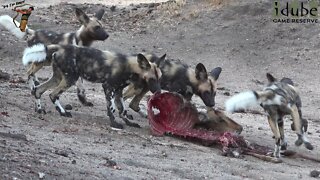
[{"x": 238, "y": 36}]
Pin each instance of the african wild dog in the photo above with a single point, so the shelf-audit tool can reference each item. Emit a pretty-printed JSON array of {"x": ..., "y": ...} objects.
[
  {"x": 178, "y": 77},
  {"x": 279, "y": 98},
  {"x": 115, "y": 71},
  {"x": 91, "y": 30}
]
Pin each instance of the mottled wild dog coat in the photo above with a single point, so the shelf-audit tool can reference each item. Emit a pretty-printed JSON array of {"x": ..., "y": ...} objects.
[
  {"x": 91, "y": 30},
  {"x": 279, "y": 98},
  {"x": 115, "y": 71},
  {"x": 178, "y": 77}
]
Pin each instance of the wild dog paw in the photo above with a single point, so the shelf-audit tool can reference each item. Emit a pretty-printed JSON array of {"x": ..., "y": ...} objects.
[
  {"x": 68, "y": 107},
  {"x": 298, "y": 142},
  {"x": 284, "y": 146},
  {"x": 82, "y": 98},
  {"x": 36, "y": 83},
  {"x": 115, "y": 125},
  {"x": 66, "y": 114},
  {"x": 129, "y": 116},
  {"x": 276, "y": 154},
  {"x": 308, "y": 145},
  {"x": 33, "y": 91},
  {"x": 133, "y": 124},
  {"x": 41, "y": 111}
]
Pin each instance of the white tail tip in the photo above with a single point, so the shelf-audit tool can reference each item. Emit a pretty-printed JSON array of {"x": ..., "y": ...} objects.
[
  {"x": 35, "y": 53},
  {"x": 7, "y": 22},
  {"x": 241, "y": 101}
]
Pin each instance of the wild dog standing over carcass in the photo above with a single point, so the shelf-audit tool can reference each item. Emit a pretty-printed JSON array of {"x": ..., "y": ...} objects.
[
  {"x": 115, "y": 71},
  {"x": 90, "y": 31},
  {"x": 178, "y": 77},
  {"x": 278, "y": 99}
]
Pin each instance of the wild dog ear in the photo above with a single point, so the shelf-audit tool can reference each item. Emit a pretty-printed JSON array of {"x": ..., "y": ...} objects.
[
  {"x": 160, "y": 60},
  {"x": 82, "y": 17},
  {"x": 215, "y": 73},
  {"x": 270, "y": 78},
  {"x": 287, "y": 81},
  {"x": 201, "y": 72},
  {"x": 99, "y": 14},
  {"x": 143, "y": 62}
]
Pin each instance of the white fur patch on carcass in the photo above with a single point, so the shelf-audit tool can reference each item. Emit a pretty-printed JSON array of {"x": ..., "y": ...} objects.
[{"x": 155, "y": 111}]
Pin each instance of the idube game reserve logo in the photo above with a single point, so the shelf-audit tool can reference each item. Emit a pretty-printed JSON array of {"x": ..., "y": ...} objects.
[
  {"x": 21, "y": 7},
  {"x": 295, "y": 11}
]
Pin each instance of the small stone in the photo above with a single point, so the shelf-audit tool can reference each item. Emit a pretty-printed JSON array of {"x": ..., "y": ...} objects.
[
  {"x": 314, "y": 173},
  {"x": 41, "y": 175},
  {"x": 113, "y": 8}
]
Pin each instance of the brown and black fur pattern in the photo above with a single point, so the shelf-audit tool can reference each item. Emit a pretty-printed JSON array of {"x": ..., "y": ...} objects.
[
  {"x": 180, "y": 78},
  {"x": 90, "y": 31},
  {"x": 279, "y": 98},
  {"x": 115, "y": 71}
]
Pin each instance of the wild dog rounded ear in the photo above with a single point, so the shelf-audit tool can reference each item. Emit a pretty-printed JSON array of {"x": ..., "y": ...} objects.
[
  {"x": 99, "y": 14},
  {"x": 287, "y": 81},
  {"x": 215, "y": 73},
  {"x": 270, "y": 78},
  {"x": 82, "y": 17},
  {"x": 143, "y": 62},
  {"x": 160, "y": 60},
  {"x": 201, "y": 72}
]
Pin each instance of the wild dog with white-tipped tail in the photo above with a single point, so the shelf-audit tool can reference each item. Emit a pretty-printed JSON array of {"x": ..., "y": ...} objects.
[
  {"x": 113, "y": 70},
  {"x": 279, "y": 98},
  {"x": 90, "y": 31}
]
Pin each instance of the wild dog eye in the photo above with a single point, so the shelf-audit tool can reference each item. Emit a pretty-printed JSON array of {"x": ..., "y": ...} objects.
[{"x": 96, "y": 28}]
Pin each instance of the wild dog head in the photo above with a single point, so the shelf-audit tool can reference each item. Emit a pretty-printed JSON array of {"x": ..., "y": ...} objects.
[
  {"x": 217, "y": 121},
  {"x": 206, "y": 85},
  {"x": 91, "y": 27},
  {"x": 150, "y": 73}
]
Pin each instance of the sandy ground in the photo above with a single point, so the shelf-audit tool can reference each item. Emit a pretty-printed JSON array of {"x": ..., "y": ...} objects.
[{"x": 239, "y": 36}]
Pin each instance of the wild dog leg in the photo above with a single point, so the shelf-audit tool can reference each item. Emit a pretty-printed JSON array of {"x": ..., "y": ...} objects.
[
  {"x": 303, "y": 121},
  {"x": 81, "y": 93},
  {"x": 109, "y": 93},
  {"x": 131, "y": 91},
  {"x": 39, "y": 90},
  {"x": 122, "y": 110},
  {"x": 134, "y": 104},
  {"x": 298, "y": 128},
  {"x": 35, "y": 67},
  {"x": 119, "y": 100},
  {"x": 283, "y": 141},
  {"x": 64, "y": 85},
  {"x": 275, "y": 129}
]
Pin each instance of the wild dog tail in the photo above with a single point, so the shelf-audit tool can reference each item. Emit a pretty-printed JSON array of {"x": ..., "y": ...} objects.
[
  {"x": 248, "y": 99},
  {"x": 39, "y": 53},
  {"x": 35, "y": 53},
  {"x": 7, "y": 22}
]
